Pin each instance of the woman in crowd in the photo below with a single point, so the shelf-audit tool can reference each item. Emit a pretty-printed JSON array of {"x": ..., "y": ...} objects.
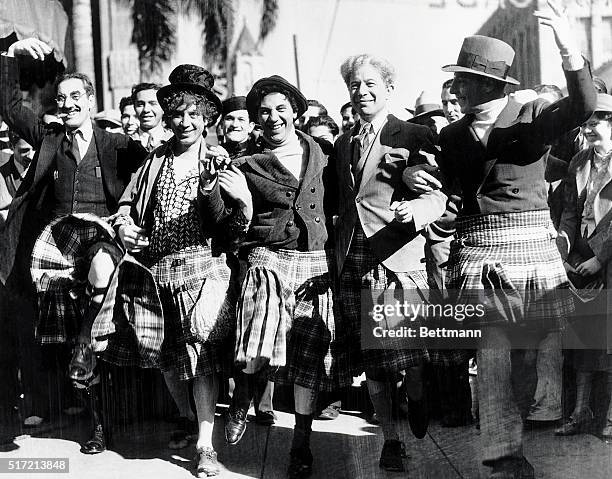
[{"x": 585, "y": 244}]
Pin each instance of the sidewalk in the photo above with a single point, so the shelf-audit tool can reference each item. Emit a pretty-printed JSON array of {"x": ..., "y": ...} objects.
[{"x": 347, "y": 448}]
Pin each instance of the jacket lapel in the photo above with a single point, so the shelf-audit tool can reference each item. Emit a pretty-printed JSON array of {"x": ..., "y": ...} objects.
[
  {"x": 315, "y": 163},
  {"x": 379, "y": 148},
  {"x": 268, "y": 166},
  {"x": 583, "y": 172},
  {"x": 46, "y": 157},
  {"x": 108, "y": 161}
]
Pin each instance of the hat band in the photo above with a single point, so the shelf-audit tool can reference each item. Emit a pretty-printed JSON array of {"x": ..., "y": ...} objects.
[{"x": 482, "y": 64}]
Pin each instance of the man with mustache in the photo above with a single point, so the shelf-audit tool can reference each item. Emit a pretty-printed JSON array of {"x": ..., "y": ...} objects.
[{"x": 77, "y": 168}]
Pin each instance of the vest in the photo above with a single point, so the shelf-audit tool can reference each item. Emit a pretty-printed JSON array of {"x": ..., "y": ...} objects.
[{"x": 79, "y": 188}]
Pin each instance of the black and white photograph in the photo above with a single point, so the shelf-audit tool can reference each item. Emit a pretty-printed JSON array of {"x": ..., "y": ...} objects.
[{"x": 289, "y": 239}]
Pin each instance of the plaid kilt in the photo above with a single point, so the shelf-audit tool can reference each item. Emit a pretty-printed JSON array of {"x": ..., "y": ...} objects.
[
  {"x": 131, "y": 317},
  {"x": 59, "y": 269},
  {"x": 512, "y": 257},
  {"x": 363, "y": 271},
  {"x": 181, "y": 279},
  {"x": 286, "y": 314}
]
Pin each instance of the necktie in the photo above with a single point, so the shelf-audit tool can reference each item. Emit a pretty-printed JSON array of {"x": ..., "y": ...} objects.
[
  {"x": 73, "y": 147},
  {"x": 364, "y": 137}
]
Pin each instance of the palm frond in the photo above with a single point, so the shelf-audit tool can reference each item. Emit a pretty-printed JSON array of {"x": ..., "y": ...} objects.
[
  {"x": 153, "y": 31},
  {"x": 217, "y": 18},
  {"x": 269, "y": 15}
]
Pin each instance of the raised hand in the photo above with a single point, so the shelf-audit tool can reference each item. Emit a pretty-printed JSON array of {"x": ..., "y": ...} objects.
[
  {"x": 133, "y": 237},
  {"x": 557, "y": 19},
  {"x": 33, "y": 47}
]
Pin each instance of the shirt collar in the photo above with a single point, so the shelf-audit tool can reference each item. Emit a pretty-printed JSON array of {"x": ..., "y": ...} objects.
[
  {"x": 377, "y": 122},
  {"x": 490, "y": 110},
  {"x": 157, "y": 133},
  {"x": 85, "y": 131}
]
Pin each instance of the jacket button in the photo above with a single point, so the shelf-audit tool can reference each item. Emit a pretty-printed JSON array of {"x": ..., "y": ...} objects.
[
  {"x": 290, "y": 223},
  {"x": 312, "y": 206},
  {"x": 288, "y": 194},
  {"x": 317, "y": 219},
  {"x": 358, "y": 199},
  {"x": 313, "y": 189},
  {"x": 515, "y": 190},
  {"x": 298, "y": 207},
  {"x": 479, "y": 196}
]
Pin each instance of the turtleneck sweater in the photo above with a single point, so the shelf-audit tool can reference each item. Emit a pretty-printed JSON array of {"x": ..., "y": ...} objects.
[
  {"x": 485, "y": 116},
  {"x": 290, "y": 153}
]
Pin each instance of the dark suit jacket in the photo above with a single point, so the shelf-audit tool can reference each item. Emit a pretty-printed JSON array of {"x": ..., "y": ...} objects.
[
  {"x": 32, "y": 206},
  {"x": 286, "y": 213},
  {"x": 381, "y": 184},
  {"x": 508, "y": 174}
]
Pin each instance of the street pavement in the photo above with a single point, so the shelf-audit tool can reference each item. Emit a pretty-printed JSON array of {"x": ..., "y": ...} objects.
[{"x": 347, "y": 447}]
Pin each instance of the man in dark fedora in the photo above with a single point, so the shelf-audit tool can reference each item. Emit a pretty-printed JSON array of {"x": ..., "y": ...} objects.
[{"x": 492, "y": 160}]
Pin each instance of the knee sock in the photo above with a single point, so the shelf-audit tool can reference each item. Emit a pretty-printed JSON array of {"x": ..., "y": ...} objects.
[
  {"x": 93, "y": 308},
  {"x": 381, "y": 396},
  {"x": 301, "y": 432},
  {"x": 243, "y": 390}
]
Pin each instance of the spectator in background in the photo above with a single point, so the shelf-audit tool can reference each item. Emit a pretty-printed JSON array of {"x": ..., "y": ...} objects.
[
  {"x": 600, "y": 85},
  {"x": 129, "y": 119},
  {"x": 349, "y": 117},
  {"x": 450, "y": 104},
  {"x": 322, "y": 127},
  {"x": 236, "y": 126},
  {"x": 151, "y": 132},
  {"x": 109, "y": 120},
  {"x": 428, "y": 112},
  {"x": 13, "y": 171},
  {"x": 315, "y": 108}
]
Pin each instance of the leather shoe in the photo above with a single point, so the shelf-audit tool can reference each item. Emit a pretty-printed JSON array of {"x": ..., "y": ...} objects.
[
  {"x": 265, "y": 418},
  {"x": 96, "y": 444},
  {"x": 82, "y": 363},
  {"x": 235, "y": 425},
  {"x": 512, "y": 468},
  {"x": 300, "y": 463},
  {"x": 391, "y": 456},
  {"x": 576, "y": 423}
]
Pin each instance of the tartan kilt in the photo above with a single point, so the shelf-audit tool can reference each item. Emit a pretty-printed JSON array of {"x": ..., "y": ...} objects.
[
  {"x": 513, "y": 257},
  {"x": 307, "y": 320},
  {"x": 363, "y": 271},
  {"x": 181, "y": 278},
  {"x": 59, "y": 270}
]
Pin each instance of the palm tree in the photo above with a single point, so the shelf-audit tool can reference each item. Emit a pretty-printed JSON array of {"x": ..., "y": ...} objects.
[{"x": 154, "y": 33}]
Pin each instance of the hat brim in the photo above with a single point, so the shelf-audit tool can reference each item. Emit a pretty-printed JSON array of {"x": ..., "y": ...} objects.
[
  {"x": 302, "y": 104},
  {"x": 457, "y": 68},
  {"x": 426, "y": 114},
  {"x": 164, "y": 91}
]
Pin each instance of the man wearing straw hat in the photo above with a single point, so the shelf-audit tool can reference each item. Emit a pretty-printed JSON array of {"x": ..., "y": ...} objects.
[{"x": 505, "y": 241}]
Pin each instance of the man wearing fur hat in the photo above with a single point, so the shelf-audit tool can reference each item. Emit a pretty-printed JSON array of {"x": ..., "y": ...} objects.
[{"x": 505, "y": 241}]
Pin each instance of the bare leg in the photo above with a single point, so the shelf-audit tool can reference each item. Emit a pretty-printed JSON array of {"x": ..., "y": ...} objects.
[{"x": 205, "y": 392}]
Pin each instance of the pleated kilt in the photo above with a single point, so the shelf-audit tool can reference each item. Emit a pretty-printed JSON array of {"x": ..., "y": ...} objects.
[
  {"x": 59, "y": 270},
  {"x": 363, "y": 271},
  {"x": 286, "y": 314},
  {"x": 180, "y": 279},
  {"x": 512, "y": 257}
]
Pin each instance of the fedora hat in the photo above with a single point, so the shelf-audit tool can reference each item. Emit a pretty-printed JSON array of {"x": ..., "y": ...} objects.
[
  {"x": 191, "y": 78},
  {"x": 254, "y": 96},
  {"x": 604, "y": 102},
  {"x": 484, "y": 56},
  {"x": 427, "y": 104}
]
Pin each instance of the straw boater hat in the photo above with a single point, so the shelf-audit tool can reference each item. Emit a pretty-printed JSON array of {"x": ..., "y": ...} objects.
[
  {"x": 484, "y": 56},
  {"x": 192, "y": 78},
  {"x": 254, "y": 97}
]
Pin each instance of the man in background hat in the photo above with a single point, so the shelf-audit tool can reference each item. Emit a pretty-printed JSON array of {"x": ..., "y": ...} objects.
[
  {"x": 493, "y": 162},
  {"x": 428, "y": 112},
  {"x": 237, "y": 127}
]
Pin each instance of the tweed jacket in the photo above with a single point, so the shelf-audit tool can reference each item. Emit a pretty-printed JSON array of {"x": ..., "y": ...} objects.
[
  {"x": 118, "y": 155},
  {"x": 392, "y": 242},
  {"x": 287, "y": 213},
  {"x": 507, "y": 175},
  {"x": 600, "y": 239}
]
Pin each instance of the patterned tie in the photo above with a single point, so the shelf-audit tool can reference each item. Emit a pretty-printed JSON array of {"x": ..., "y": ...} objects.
[{"x": 364, "y": 137}]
